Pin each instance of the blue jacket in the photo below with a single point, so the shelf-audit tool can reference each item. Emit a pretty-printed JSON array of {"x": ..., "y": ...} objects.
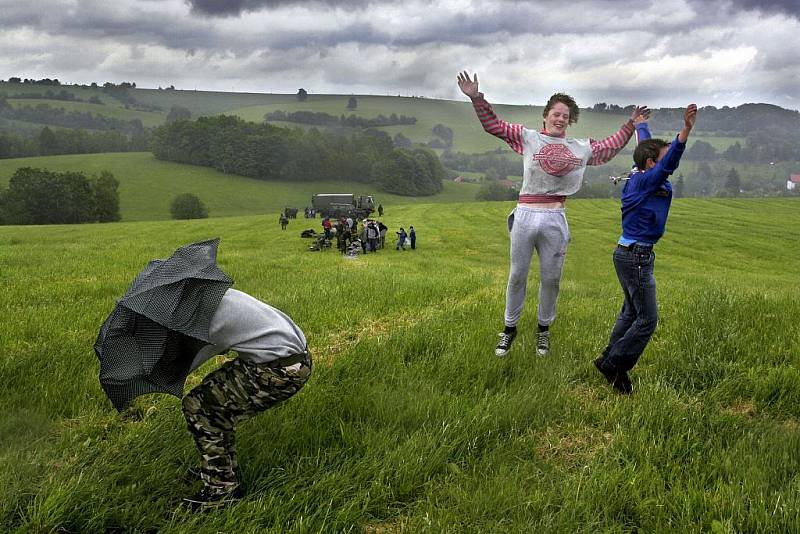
[{"x": 647, "y": 196}]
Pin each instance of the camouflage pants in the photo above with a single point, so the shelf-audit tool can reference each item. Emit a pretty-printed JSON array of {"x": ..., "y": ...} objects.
[{"x": 233, "y": 393}]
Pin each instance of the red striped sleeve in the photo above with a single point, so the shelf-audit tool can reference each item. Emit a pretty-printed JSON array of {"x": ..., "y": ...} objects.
[
  {"x": 603, "y": 151},
  {"x": 510, "y": 133}
]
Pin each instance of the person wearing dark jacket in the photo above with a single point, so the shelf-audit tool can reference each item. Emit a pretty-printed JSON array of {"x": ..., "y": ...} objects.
[
  {"x": 401, "y": 239},
  {"x": 412, "y": 237},
  {"x": 646, "y": 200}
]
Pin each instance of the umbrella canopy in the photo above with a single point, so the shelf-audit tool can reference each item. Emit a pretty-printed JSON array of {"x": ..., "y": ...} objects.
[
  {"x": 148, "y": 342},
  {"x": 182, "y": 292}
]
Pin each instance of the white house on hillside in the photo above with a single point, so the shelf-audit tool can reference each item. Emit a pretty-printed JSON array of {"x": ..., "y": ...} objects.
[{"x": 794, "y": 182}]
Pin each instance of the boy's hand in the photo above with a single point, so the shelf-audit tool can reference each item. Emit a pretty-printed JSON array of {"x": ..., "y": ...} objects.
[
  {"x": 467, "y": 86},
  {"x": 689, "y": 118},
  {"x": 640, "y": 114}
]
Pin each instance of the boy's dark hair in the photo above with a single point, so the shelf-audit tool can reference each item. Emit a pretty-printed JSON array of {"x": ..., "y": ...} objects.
[
  {"x": 647, "y": 149},
  {"x": 574, "y": 110}
]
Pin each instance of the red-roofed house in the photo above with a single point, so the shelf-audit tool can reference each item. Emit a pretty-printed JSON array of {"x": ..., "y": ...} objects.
[{"x": 794, "y": 182}]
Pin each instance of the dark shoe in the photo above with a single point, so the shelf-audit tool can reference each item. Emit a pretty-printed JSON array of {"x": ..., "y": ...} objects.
[
  {"x": 543, "y": 343},
  {"x": 608, "y": 374},
  {"x": 619, "y": 380},
  {"x": 504, "y": 345},
  {"x": 207, "y": 498},
  {"x": 623, "y": 383}
]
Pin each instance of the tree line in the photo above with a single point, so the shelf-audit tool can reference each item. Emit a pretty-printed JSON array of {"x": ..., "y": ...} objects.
[
  {"x": 318, "y": 118},
  {"x": 38, "y": 196},
  {"x": 71, "y": 141},
  {"x": 267, "y": 152},
  {"x": 740, "y": 121},
  {"x": 46, "y": 114}
]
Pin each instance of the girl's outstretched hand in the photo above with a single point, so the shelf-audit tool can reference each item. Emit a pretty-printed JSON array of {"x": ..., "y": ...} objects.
[{"x": 467, "y": 86}]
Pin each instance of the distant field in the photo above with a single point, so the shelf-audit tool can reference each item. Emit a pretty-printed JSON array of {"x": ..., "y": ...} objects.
[
  {"x": 457, "y": 115},
  {"x": 148, "y": 185},
  {"x": 112, "y": 110},
  {"x": 409, "y": 422}
]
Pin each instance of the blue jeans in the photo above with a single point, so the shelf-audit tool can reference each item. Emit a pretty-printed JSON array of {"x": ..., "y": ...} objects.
[{"x": 638, "y": 318}]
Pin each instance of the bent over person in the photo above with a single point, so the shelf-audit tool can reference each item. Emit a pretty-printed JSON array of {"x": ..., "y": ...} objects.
[
  {"x": 553, "y": 168},
  {"x": 175, "y": 315},
  {"x": 273, "y": 363}
]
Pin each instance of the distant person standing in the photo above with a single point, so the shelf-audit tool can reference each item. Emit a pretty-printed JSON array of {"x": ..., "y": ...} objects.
[
  {"x": 646, "y": 200},
  {"x": 383, "y": 229},
  {"x": 412, "y": 237},
  {"x": 401, "y": 239},
  {"x": 326, "y": 226},
  {"x": 380, "y": 210},
  {"x": 373, "y": 235}
]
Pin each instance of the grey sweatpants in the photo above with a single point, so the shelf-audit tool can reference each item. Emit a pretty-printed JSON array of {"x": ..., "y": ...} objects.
[{"x": 547, "y": 232}]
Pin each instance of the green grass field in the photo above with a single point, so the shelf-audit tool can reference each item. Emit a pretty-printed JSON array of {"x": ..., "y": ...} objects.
[
  {"x": 410, "y": 423},
  {"x": 147, "y": 186}
]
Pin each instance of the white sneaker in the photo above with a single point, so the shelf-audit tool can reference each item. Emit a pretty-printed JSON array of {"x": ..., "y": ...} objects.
[
  {"x": 543, "y": 343},
  {"x": 504, "y": 345}
]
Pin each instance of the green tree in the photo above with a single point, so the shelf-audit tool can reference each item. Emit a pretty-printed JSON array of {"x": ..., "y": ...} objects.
[
  {"x": 493, "y": 190},
  {"x": 733, "y": 183},
  {"x": 188, "y": 206},
  {"x": 178, "y": 113},
  {"x": 444, "y": 133},
  {"x": 38, "y": 196},
  {"x": 302, "y": 95},
  {"x": 701, "y": 151},
  {"x": 679, "y": 186},
  {"x": 352, "y": 103},
  {"x": 106, "y": 198},
  {"x": 48, "y": 144}
]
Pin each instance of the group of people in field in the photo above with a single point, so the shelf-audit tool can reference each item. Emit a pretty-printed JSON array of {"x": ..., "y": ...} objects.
[
  {"x": 368, "y": 235},
  {"x": 273, "y": 359}
]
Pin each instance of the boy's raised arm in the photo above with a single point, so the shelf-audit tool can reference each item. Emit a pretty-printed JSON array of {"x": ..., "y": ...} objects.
[
  {"x": 508, "y": 132},
  {"x": 689, "y": 118},
  {"x": 669, "y": 163}
]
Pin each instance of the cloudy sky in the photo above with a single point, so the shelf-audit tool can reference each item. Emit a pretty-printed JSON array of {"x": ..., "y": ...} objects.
[{"x": 662, "y": 53}]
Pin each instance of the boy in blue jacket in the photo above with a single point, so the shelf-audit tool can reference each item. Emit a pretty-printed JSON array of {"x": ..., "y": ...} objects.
[{"x": 646, "y": 199}]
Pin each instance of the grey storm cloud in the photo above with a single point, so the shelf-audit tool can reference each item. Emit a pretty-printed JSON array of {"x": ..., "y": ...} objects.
[
  {"x": 228, "y": 8},
  {"x": 791, "y": 7}
]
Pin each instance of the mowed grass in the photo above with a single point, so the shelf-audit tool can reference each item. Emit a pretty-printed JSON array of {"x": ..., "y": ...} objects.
[
  {"x": 410, "y": 423},
  {"x": 147, "y": 186}
]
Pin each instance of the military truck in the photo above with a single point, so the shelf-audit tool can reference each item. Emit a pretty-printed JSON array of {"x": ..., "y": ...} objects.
[{"x": 337, "y": 205}]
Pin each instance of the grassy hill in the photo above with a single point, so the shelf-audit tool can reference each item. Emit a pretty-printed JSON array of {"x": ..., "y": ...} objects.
[
  {"x": 410, "y": 423},
  {"x": 457, "y": 115},
  {"x": 112, "y": 110},
  {"x": 148, "y": 185}
]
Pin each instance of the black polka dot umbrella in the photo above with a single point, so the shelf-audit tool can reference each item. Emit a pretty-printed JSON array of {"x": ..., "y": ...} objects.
[{"x": 148, "y": 342}]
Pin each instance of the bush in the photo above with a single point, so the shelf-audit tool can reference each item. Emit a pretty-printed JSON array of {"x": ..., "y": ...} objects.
[
  {"x": 38, "y": 196},
  {"x": 492, "y": 190},
  {"x": 188, "y": 206}
]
